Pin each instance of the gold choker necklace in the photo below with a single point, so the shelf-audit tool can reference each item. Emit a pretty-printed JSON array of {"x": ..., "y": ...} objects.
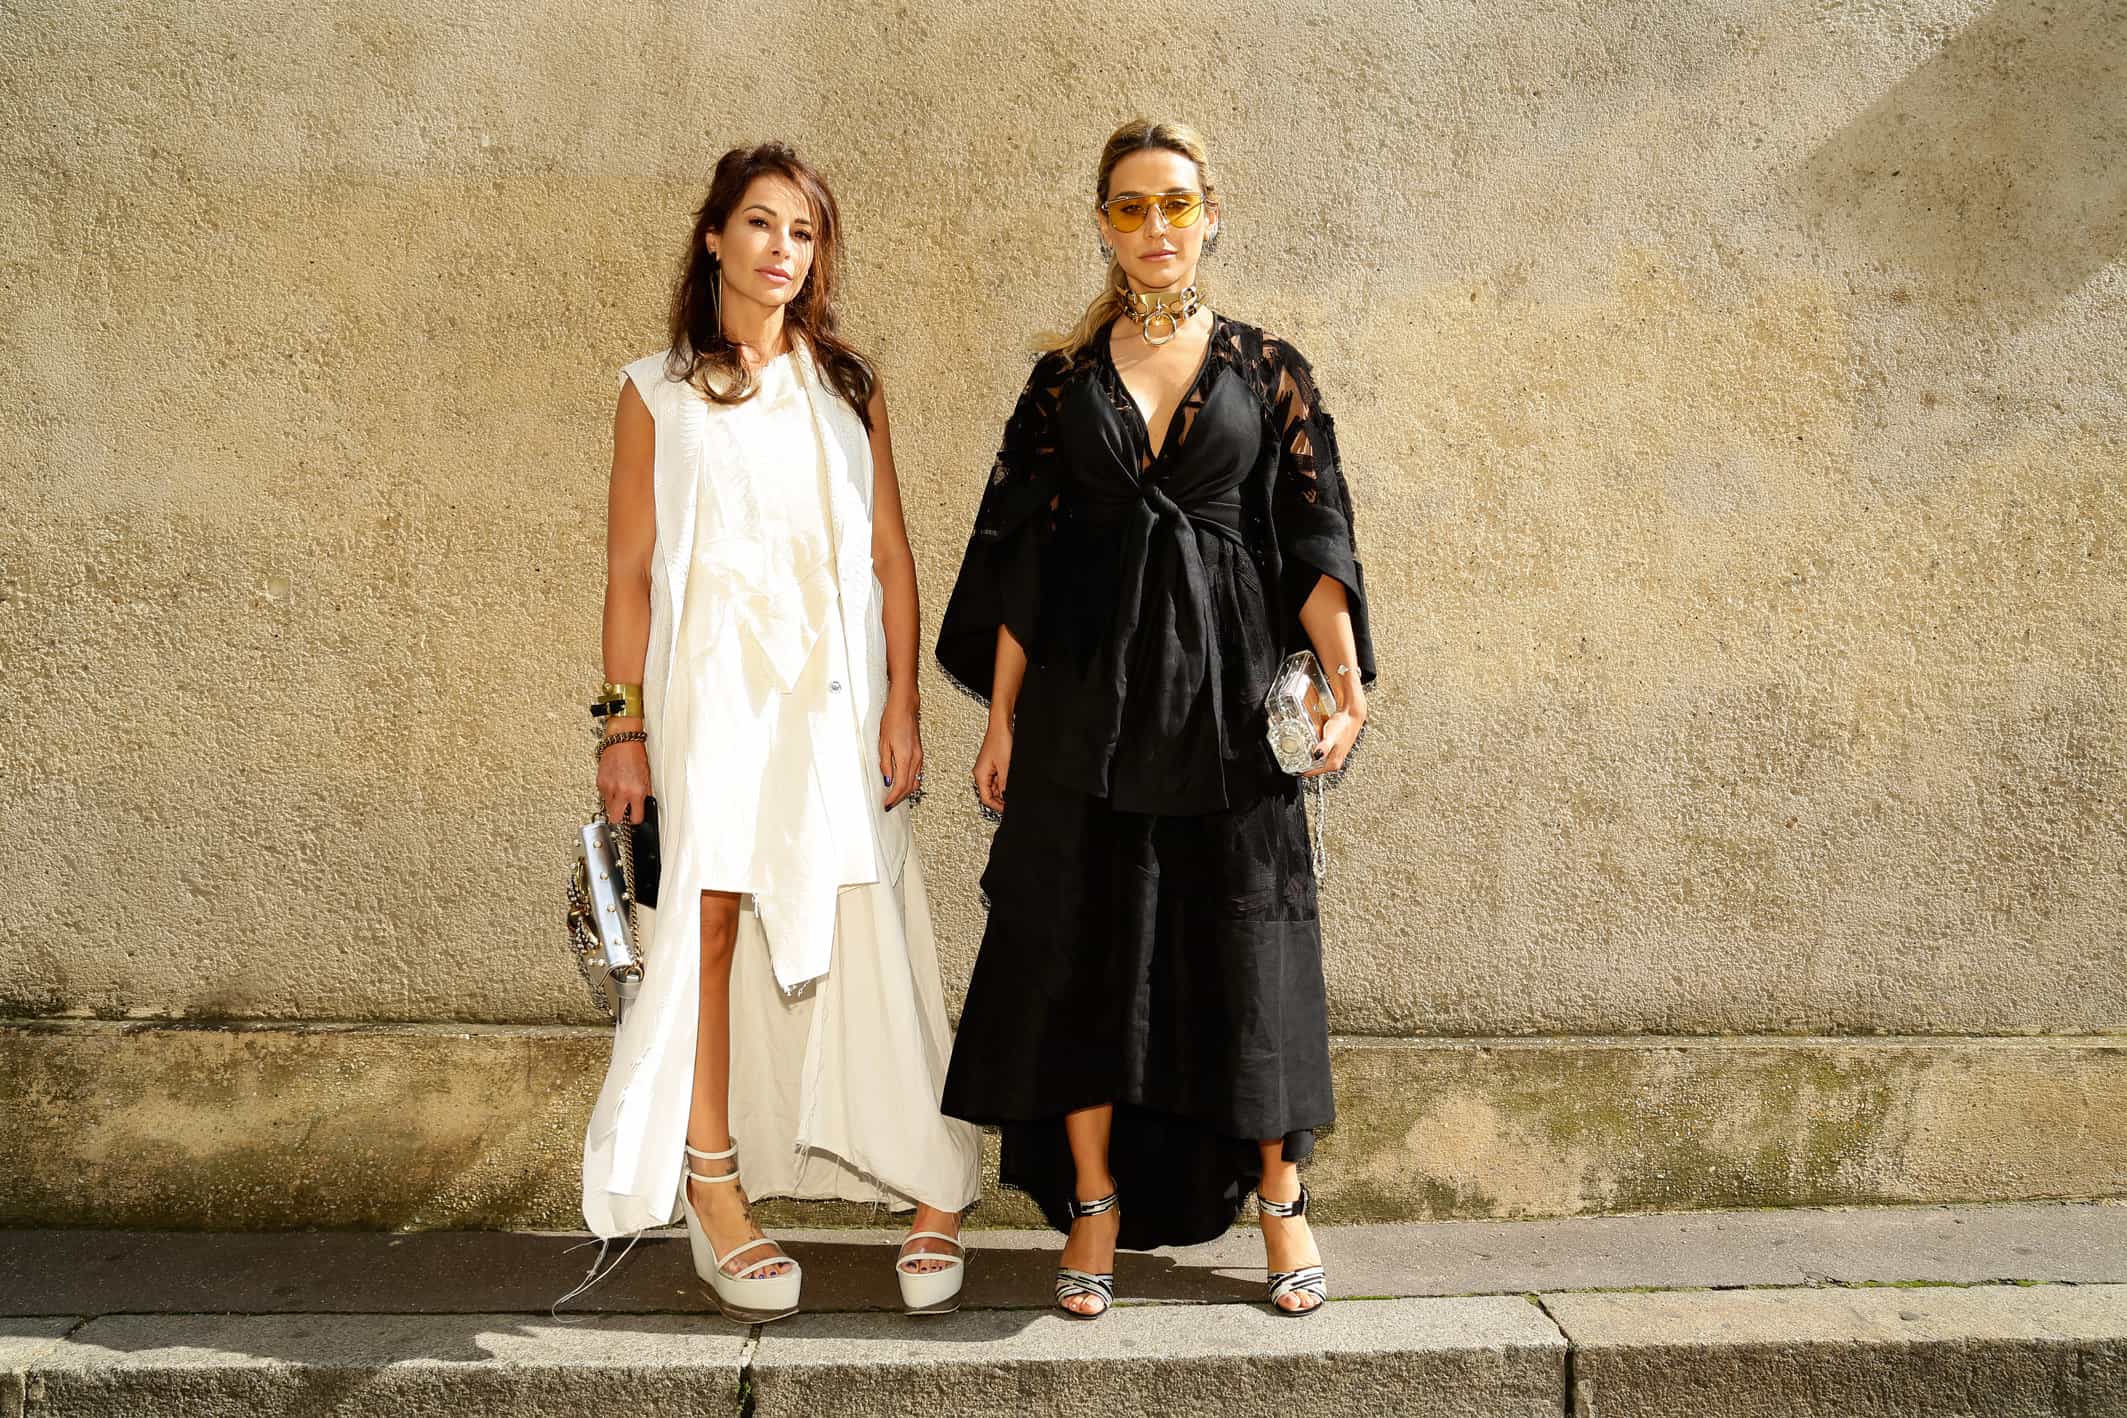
[{"x": 1161, "y": 310}]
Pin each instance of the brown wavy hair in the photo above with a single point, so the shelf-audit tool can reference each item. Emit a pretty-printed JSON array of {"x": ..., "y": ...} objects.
[
  {"x": 1133, "y": 137},
  {"x": 702, "y": 355}
]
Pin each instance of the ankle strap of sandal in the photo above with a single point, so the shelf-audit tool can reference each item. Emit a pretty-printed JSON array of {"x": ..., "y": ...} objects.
[
  {"x": 1283, "y": 1208},
  {"x": 727, "y": 1155},
  {"x": 1076, "y": 1209}
]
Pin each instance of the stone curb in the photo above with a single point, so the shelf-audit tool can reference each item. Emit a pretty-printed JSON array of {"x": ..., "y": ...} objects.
[
  {"x": 387, "y": 1366},
  {"x": 1891, "y": 1352},
  {"x": 1993, "y": 1351},
  {"x": 1466, "y": 1358},
  {"x": 23, "y": 1342},
  {"x": 85, "y": 1271}
]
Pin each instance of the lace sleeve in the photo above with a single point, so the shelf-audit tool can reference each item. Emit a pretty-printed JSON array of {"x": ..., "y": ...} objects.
[
  {"x": 1000, "y": 573},
  {"x": 1311, "y": 503}
]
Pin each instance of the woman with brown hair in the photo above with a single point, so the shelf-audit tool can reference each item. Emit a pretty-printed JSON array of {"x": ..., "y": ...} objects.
[
  {"x": 760, "y": 637},
  {"x": 1165, "y": 523}
]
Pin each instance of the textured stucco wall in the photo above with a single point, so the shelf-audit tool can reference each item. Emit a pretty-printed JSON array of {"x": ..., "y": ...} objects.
[{"x": 1733, "y": 392}]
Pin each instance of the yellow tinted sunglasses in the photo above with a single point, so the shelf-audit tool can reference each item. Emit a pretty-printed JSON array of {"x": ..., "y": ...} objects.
[{"x": 1129, "y": 213}]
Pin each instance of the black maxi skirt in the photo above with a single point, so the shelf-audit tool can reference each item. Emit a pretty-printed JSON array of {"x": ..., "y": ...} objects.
[{"x": 1169, "y": 965}]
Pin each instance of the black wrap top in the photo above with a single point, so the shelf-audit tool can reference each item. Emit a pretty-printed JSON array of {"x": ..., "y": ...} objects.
[{"x": 1155, "y": 591}]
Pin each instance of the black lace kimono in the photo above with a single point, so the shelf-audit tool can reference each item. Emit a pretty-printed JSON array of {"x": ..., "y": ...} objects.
[{"x": 1153, "y": 940}]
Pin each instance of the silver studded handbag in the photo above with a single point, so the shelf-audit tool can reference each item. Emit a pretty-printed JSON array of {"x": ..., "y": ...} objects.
[{"x": 615, "y": 868}]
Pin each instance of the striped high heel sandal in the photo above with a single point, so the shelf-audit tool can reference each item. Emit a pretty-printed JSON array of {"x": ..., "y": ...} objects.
[
  {"x": 1070, "y": 1283},
  {"x": 1308, "y": 1279},
  {"x": 746, "y": 1295}
]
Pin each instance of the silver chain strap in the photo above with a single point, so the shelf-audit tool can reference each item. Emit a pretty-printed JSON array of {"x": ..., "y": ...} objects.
[
  {"x": 1321, "y": 825},
  {"x": 626, "y": 832},
  {"x": 583, "y": 942},
  {"x": 583, "y": 934}
]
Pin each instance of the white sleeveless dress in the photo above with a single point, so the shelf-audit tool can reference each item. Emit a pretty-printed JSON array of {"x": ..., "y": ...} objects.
[{"x": 763, "y": 689}]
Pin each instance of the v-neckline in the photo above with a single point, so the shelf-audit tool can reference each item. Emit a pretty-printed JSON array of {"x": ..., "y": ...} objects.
[{"x": 1169, "y": 442}]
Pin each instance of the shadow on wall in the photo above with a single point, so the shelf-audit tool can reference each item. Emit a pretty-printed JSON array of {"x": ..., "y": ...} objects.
[{"x": 1993, "y": 171}]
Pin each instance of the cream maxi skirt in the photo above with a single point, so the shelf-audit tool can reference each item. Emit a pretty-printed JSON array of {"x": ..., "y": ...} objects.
[{"x": 834, "y": 1086}]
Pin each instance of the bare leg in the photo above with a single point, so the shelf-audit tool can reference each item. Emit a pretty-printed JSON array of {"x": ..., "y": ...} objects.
[
  {"x": 721, "y": 1205},
  {"x": 1288, "y": 1243},
  {"x": 1092, "y": 1243}
]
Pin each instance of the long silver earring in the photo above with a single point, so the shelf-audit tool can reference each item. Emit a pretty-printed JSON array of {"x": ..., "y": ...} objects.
[
  {"x": 1107, "y": 252},
  {"x": 1211, "y": 242}
]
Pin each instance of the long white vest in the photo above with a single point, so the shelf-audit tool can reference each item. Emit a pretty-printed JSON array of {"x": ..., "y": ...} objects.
[{"x": 633, "y": 1146}]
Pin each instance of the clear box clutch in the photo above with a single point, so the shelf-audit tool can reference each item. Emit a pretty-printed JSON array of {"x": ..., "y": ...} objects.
[{"x": 1300, "y": 699}]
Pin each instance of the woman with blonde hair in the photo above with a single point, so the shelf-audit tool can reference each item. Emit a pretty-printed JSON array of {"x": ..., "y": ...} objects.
[
  {"x": 1165, "y": 523},
  {"x": 760, "y": 650}
]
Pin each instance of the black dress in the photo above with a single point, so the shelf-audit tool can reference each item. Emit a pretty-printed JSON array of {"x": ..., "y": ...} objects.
[{"x": 1153, "y": 940}]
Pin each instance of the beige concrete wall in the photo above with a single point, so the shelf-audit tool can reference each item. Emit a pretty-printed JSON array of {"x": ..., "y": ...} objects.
[
  {"x": 1733, "y": 393},
  {"x": 411, "y": 1125}
]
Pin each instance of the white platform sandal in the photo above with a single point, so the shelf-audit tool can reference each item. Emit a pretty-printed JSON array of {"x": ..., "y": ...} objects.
[
  {"x": 931, "y": 1292},
  {"x": 747, "y": 1296}
]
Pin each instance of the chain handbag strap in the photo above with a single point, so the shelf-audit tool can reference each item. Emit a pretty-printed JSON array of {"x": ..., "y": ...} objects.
[
  {"x": 624, "y": 838},
  {"x": 584, "y": 942},
  {"x": 583, "y": 938},
  {"x": 1321, "y": 784},
  {"x": 584, "y": 967},
  {"x": 625, "y": 832},
  {"x": 1321, "y": 825}
]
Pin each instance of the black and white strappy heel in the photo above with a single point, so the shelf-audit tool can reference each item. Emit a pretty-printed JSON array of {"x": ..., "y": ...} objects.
[
  {"x": 1308, "y": 1279},
  {"x": 1070, "y": 1283}
]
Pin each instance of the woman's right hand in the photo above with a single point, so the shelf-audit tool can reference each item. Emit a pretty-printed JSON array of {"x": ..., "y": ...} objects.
[
  {"x": 624, "y": 780},
  {"x": 993, "y": 764}
]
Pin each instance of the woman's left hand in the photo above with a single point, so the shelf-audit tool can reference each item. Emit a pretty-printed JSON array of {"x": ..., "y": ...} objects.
[
  {"x": 900, "y": 750},
  {"x": 1339, "y": 732}
]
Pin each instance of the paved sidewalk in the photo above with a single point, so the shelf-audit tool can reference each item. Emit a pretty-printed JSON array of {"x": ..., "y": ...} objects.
[{"x": 1979, "y": 1311}]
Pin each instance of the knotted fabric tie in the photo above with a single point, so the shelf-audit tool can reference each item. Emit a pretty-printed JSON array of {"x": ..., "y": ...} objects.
[{"x": 1165, "y": 646}]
